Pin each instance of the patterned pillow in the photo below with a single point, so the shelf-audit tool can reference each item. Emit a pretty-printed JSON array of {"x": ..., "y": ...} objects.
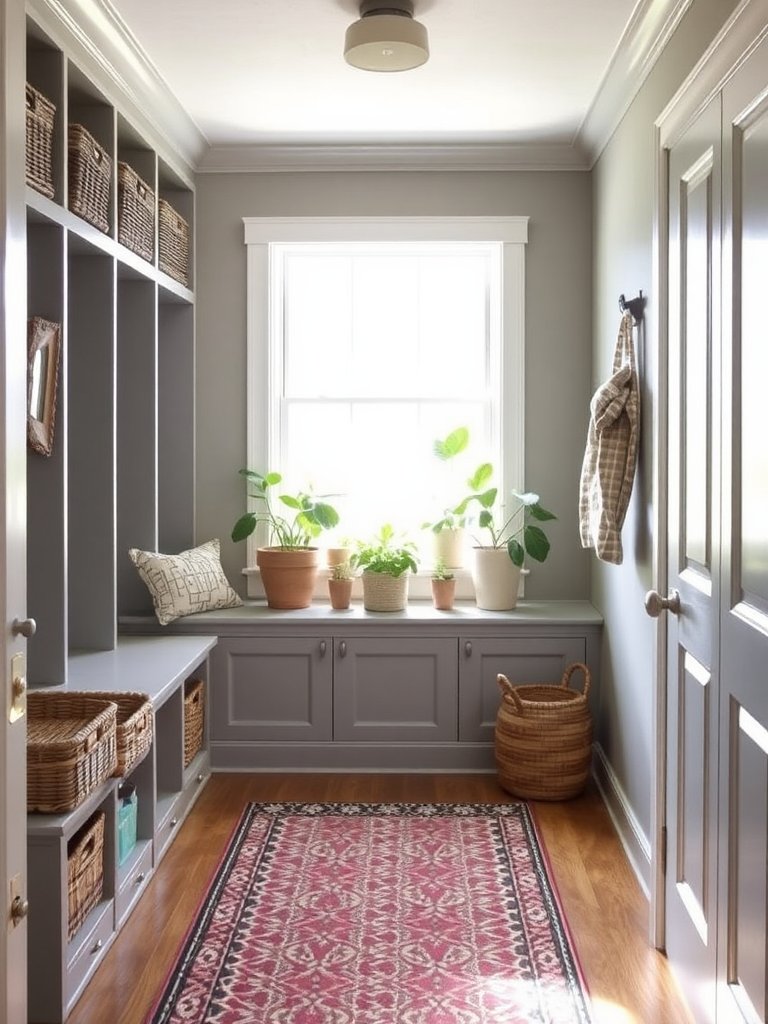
[{"x": 183, "y": 584}]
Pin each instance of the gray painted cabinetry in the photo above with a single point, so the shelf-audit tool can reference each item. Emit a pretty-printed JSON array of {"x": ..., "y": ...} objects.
[{"x": 358, "y": 690}]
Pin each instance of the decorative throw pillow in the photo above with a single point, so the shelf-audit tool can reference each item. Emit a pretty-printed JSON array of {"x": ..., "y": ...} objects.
[{"x": 183, "y": 584}]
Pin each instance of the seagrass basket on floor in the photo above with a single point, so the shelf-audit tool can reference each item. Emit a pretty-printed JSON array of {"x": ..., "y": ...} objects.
[
  {"x": 544, "y": 737},
  {"x": 71, "y": 748}
]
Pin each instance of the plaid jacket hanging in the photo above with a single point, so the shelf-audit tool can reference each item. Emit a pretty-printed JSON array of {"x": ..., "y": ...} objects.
[{"x": 608, "y": 470}]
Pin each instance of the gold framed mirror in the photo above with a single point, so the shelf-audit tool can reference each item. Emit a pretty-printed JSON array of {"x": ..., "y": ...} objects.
[{"x": 44, "y": 338}]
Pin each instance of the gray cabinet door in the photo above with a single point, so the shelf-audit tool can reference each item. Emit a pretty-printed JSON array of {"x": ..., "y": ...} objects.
[
  {"x": 269, "y": 688},
  {"x": 523, "y": 660},
  {"x": 402, "y": 689}
]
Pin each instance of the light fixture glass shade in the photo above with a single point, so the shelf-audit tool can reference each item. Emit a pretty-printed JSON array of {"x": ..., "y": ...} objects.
[{"x": 386, "y": 42}]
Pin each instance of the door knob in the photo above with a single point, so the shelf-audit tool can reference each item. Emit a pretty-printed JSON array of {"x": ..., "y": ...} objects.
[
  {"x": 19, "y": 909},
  {"x": 23, "y": 627},
  {"x": 655, "y": 604}
]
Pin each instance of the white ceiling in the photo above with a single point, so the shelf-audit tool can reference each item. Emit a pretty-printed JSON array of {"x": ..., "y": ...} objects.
[{"x": 272, "y": 73}]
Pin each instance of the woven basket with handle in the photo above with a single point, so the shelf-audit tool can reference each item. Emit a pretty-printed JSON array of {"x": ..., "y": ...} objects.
[{"x": 544, "y": 737}]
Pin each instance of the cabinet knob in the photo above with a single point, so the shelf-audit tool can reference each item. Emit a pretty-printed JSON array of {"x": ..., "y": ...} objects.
[
  {"x": 139, "y": 878},
  {"x": 97, "y": 946},
  {"x": 343, "y": 649},
  {"x": 468, "y": 648},
  {"x": 200, "y": 777},
  {"x": 24, "y": 627},
  {"x": 173, "y": 823},
  {"x": 323, "y": 648}
]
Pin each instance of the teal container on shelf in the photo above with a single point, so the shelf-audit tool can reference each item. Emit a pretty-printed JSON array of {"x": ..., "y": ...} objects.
[{"x": 126, "y": 821}]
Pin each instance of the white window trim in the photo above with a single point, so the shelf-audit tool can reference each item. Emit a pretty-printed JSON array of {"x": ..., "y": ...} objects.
[{"x": 511, "y": 232}]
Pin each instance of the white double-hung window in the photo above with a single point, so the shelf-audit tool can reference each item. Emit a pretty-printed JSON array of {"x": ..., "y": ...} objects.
[{"x": 370, "y": 338}]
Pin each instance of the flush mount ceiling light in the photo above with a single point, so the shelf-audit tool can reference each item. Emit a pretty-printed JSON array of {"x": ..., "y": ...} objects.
[{"x": 386, "y": 38}]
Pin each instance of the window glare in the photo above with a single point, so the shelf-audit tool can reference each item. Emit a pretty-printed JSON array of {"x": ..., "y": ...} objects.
[{"x": 383, "y": 349}]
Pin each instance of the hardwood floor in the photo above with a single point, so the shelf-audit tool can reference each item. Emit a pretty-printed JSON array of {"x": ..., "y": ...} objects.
[{"x": 629, "y": 982}]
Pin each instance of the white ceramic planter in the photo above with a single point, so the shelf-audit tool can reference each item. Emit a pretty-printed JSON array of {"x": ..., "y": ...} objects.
[
  {"x": 448, "y": 547},
  {"x": 496, "y": 579}
]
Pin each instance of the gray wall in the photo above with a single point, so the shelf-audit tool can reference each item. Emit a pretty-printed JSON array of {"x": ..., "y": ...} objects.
[
  {"x": 623, "y": 197},
  {"x": 558, "y": 316}
]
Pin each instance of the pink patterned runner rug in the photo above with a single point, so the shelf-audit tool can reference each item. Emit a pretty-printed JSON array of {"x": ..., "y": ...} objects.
[{"x": 378, "y": 914}]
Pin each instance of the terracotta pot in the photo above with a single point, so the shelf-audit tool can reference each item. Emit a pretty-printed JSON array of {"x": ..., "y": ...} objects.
[
  {"x": 448, "y": 547},
  {"x": 496, "y": 579},
  {"x": 340, "y": 593},
  {"x": 288, "y": 575},
  {"x": 443, "y": 592}
]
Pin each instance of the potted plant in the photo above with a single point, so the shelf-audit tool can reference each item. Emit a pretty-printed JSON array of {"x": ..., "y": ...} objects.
[
  {"x": 497, "y": 565},
  {"x": 443, "y": 587},
  {"x": 289, "y": 565},
  {"x": 386, "y": 563},
  {"x": 340, "y": 585},
  {"x": 448, "y": 530}
]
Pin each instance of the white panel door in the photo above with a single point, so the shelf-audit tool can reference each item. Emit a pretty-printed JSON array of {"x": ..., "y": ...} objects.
[
  {"x": 693, "y": 559},
  {"x": 743, "y": 977},
  {"x": 13, "y": 392}
]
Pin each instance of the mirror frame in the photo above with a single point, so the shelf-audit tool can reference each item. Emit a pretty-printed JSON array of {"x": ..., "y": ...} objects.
[{"x": 42, "y": 335}]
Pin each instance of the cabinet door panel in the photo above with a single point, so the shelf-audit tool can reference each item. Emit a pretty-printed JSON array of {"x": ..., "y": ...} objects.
[
  {"x": 401, "y": 689},
  {"x": 271, "y": 689},
  {"x": 525, "y": 660}
]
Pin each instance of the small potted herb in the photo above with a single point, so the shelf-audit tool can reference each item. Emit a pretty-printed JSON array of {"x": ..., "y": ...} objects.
[
  {"x": 443, "y": 587},
  {"x": 448, "y": 529},
  {"x": 386, "y": 562},
  {"x": 340, "y": 585}
]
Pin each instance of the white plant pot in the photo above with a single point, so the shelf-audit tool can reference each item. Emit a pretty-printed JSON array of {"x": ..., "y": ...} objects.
[
  {"x": 448, "y": 547},
  {"x": 496, "y": 579}
]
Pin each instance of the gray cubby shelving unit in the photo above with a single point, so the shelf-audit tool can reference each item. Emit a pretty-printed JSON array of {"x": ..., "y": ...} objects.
[{"x": 121, "y": 474}]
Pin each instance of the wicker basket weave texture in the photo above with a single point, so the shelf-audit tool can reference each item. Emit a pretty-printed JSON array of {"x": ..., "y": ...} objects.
[
  {"x": 544, "y": 738},
  {"x": 134, "y": 728},
  {"x": 41, "y": 116},
  {"x": 135, "y": 212},
  {"x": 71, "y": 748},
  {"x": 85, "y": 871},
  {"x": 172, "y": 242},
  {"x": 385, "y": 593},
  {"x": 90, "y": 175},
  {"x": 194, "y": 718}
]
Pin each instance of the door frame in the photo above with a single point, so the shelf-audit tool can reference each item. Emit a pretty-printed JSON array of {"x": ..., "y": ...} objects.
[{"x": 741, "y": 33}]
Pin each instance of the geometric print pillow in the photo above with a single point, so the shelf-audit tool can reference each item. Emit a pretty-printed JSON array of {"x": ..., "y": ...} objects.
[{"x": 183, "y": 584}]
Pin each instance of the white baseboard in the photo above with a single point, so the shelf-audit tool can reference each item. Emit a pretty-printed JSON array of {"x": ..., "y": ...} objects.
[{"x": 635, "y": 842}]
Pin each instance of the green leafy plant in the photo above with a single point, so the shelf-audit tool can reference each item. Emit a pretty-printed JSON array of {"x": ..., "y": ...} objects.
[
  {"x": 386, "y": 553},
  {"x": 517, "y": 532},
  {"x": 445, "y": 450},
  {"x": 440, "y": 571},
  {"x": 311, "y": 515}
]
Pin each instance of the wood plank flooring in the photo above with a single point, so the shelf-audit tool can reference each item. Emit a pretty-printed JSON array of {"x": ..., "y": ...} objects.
[{"x": 629, "y": 982}]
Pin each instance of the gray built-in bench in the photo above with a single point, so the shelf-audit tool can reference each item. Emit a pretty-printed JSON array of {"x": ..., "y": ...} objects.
[{"x": 357, "y": 690}]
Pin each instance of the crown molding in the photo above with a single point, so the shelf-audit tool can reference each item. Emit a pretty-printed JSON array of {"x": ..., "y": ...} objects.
[
  {"x": 97, "y": 38},
  {"x": 403, "y": 157},
  {"x": 647, "y": 33}
]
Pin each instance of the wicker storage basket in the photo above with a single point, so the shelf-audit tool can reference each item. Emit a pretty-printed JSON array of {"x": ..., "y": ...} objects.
[
  {"x": 544, "y": 738},
  {"x": 172, "y": 243},
  {"x": 71, "y": 748},
  {"x": 134, "y": 730},
  {"x": 194, "y": 718},
  {"x": 90, "y": 173},
  {"x": 385, "y": 593},
  {"x": 135, "y": 212},
  {"x": 85, "y": 871},
  {"x": 41, "y": 114}
]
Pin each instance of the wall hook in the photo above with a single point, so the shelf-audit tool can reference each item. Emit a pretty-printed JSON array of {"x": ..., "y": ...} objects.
[{"x": 635, "y": 306}]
